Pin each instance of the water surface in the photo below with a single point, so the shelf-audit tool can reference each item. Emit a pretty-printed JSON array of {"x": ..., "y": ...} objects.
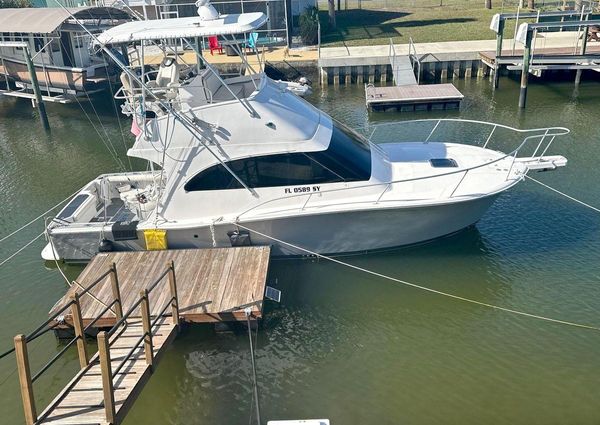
[{"x": 344, "y": 345}]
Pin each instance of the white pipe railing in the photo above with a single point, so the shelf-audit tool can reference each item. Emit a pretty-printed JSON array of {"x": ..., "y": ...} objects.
[{"x": 412, "y": 54}]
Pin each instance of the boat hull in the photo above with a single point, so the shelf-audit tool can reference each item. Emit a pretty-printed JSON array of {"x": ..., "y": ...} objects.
[{"x": 329, "y": 233}]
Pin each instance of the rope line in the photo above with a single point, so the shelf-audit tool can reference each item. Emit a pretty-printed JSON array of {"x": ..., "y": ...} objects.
[
  {"x": 420, "y": 287},
  {"x": 6, "y": 260},
  {"x": 14, "y": 232},
  {"x": 564, "y": 194},
  {"x": 74, "y": 282}
]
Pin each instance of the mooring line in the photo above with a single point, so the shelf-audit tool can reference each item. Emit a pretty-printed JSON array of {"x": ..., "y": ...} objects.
[
  {"x": 14, "y": 254},
  {"x": 423, "y": 288},
  {"x": 564, "y": 194},
  {"x": 14, "y": 232}
]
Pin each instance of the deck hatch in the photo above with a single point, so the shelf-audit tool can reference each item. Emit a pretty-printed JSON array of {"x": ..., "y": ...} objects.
[
  {"x": 443, "y": 163},
  {"x": 70, "y": 209}
]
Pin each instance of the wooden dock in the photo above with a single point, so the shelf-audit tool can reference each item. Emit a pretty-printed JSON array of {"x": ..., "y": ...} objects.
[
  {"x": 142, "y": 297},
  {"x": 413, "y": 97},
  {"x": 213, "y": 285},
  {"x": 546, "y": 56}
]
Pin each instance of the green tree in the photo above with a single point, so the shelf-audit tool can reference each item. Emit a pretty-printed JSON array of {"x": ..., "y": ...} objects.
[
  {"x": 309, "y": 25},
  {"x": 6, "y": 4}
]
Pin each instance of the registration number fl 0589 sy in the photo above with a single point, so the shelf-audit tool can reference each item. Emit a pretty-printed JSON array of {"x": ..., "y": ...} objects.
[{"x": 302, "y": 189}]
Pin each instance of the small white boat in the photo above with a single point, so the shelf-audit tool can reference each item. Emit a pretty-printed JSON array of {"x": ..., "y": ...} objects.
[
  {"x": 300, "y": 88},
  {"x": 244, "y": 151}
]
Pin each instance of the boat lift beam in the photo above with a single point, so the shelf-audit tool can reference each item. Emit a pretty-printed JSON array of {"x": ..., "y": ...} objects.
[
  {"x": 526, "y": 34},
  {"x": 498, "y": 24}
]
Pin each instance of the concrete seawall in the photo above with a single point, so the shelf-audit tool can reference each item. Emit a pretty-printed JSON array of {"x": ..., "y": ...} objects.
[
  {"x": 438, "y": 68},
  {"x": 437, "y": 62}
]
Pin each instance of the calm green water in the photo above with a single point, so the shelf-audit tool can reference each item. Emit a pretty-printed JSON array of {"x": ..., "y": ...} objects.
[{"x": 343, "y": 345}]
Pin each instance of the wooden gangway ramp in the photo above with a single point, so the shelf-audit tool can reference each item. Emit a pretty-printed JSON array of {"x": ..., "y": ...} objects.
[
  {"x": 82, "y": 401},
  {"x": 402, "y": 71},
  {"x": 138, "y": 301}
]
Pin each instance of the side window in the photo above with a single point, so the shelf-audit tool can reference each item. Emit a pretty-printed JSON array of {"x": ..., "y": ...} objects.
[
  {"x": 38, "y": 42},
  {"x": 214, "y": 178},
  {"x": 291, "y": 170},
  {"x": 264, "y": 171}
]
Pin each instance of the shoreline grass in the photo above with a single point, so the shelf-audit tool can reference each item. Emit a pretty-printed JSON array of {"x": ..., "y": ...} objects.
[{"x": 362, "y": 27}]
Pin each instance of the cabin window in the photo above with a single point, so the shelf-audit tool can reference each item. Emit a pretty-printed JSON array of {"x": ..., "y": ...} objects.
[
  {"x": 38, "y": 42},
  {"x": 264, "y": 171},
  {"x": 348, "y": 158},
  {"x": 55, "y": 45},
  {"x": 79, "y": 41}
]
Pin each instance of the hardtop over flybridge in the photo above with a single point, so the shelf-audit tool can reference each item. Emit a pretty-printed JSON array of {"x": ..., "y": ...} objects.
[{"x": 228, "y": 154}]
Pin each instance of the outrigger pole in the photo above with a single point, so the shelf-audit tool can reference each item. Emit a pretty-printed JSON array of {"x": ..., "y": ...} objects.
[{"x": 185, "y": 121}]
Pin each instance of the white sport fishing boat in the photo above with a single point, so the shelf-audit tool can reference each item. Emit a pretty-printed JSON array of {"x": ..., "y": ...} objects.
[{"x": 234, "y": 160}]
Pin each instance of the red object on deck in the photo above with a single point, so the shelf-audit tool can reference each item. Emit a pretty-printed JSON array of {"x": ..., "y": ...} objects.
[{"x": 213, "y": 44}]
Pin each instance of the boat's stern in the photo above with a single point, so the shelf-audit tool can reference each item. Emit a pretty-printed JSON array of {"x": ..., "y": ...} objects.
[{"x": 103, "y": 216}]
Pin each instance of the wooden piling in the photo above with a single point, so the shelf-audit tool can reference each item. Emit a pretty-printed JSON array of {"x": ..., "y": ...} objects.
[
  {"x": 25, "y": 379},
  {"x": 82, "y": 351},
  {"x": 582, "y": 52},
  {"x": 145, "y": 307},
  {"x": 173, "y": 287},
  {"x": 107, "y": 381},
  {"x": 499, "y": 37},
  {"x": 36, "y": 88},
  {"x": 525, "y": 70},
  {"x": 114, "y": 281}
]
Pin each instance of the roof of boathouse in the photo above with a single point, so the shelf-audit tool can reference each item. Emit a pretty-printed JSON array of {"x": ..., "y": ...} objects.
[{"x": 45, "y": 20}]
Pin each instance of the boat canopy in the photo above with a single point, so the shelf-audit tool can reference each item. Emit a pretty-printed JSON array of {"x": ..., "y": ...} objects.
[
  {"x": 182, "y": 28},
  {"x": 45, "y": 20}
]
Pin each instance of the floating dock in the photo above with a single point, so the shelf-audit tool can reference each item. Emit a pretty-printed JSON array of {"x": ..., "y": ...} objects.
[
  {"x": 137, "y": 301},
  {"x": 407, "y": 95},
  {"x": 413, "y": 97},
  {"x": 213, "y": 285}
]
